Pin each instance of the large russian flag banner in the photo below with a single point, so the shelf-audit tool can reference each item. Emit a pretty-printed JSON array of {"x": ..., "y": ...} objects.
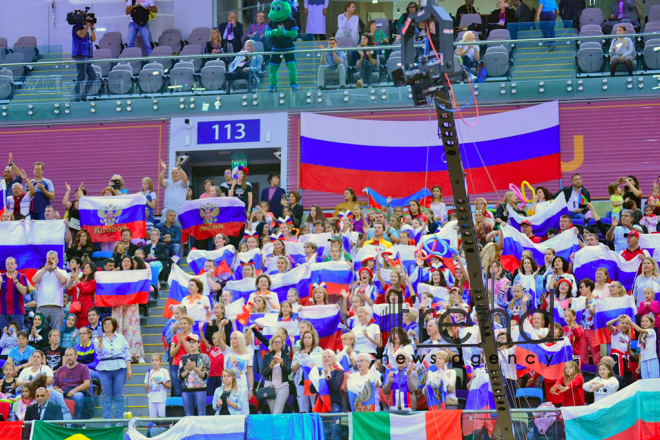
[
  {"x": 544, "y": 220},
  {"x": 515, "y": 243},
  {"x": 325, "y": 320},
  {"x": 205, "y": 218},
  {"x": 590, "y": 258},
  {"x": 223, "y": 257},
  {"x": 105, "y": 217},
  {"x": 116, "y": 288},
  {"x": 397, "y": 158},
  {"x": 608, "y": 309},
  {"x": 650, "y": 242},
  {"x": 30, "y": 242}
]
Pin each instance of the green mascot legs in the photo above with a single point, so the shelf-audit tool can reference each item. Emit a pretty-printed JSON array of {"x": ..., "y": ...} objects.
[
  {"x": 293, "y": 72},
  {"x": 272, "y": 72}
]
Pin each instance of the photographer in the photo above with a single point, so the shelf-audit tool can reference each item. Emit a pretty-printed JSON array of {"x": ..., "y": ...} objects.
[
  {"x": 139, "y": 11},
  {"x": 83, "y": 37}
]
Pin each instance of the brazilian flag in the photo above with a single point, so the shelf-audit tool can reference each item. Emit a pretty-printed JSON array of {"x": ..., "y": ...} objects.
[{"x": 43, "y": 430}]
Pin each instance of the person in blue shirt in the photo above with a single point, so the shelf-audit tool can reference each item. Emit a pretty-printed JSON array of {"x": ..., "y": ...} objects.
[
  {"x": 170, "y": 233},
  {"x": 548, "y": 11},
  {"x": 331, "y": 61},
  {"x": 81, "y": 50}
]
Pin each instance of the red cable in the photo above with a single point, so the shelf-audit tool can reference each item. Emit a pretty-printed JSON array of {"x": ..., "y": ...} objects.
[{"x": 451, "y": 90}]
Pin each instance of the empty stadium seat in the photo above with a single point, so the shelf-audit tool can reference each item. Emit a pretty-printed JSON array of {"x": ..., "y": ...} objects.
[
  {"x": 97, "y": 85},
  {"x": 529, "y": 397},
  {"x": 590, "y": 57},
  {"x": 392, "y": 64},
  {"x": 213, "y": 75},
  {"x": 592, "y": 16},
  {"x": 590, "y": 32},
  {"x": 198, "y": 37},
  {"x": 99, "y": 56},
  {"x": 500, "y": 34},
  {"x": 173, "y": 31},
  {"x": 111, "y": 42},
  {"x": 172, "y": 40},
  {"x": 496, "y": 60},
  {"x": 654, "y": 14},
  {"x": 3, "y": 48},
  {"x": 17, "y": 71},
  {"x": 652, "y": 27},
  {"x": 182, "y": 77},
  {"x": 468, "y": 19},
  {"x": 193, "y": 49},
  {"x": 6, "y": 84},
  {"x": 163, "y": 51},
  {"x": 652, "y": 56},
  {"x": 132, "y": 52},
  {"x": 120, "y": 79},
  {"x": 151, "y": 78},
  {"x": 28, "y": 47}
]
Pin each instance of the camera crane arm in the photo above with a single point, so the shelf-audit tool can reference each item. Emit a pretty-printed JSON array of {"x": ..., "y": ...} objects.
[{"x": 431, "y": 77}]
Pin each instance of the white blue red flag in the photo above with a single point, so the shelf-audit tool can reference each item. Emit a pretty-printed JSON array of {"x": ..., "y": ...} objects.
[
  {"x": 116, "y": 288},
  {"x": 544, "y": 220},
  {"x": 30, "y": 242},
  {"x": 205, "y": 218},
  {"x": 515, "y": 243},
  {"x": 105, "y": 217}
]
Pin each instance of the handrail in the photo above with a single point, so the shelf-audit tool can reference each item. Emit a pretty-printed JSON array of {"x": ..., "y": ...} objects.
[
  {"x": 318, "y": 50},
  {"x": 342, "y": 414}
]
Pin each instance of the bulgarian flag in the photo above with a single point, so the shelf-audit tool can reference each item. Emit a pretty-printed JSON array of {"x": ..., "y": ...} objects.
[{"x": 445, "y": 425}]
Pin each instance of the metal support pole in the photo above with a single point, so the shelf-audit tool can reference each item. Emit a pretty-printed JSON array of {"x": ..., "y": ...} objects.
[{"x": 447, "y": 132}]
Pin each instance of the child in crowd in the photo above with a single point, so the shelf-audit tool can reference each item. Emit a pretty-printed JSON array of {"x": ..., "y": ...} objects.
[
  {"x": 650, "y": 220},
  {"x": 193, "y": 373},
  {"x": 570, "y": 386},
  {"x": 217, "y": 363},
  {"x": 156, "y": 383},
  {"x": 8, "y": 340},
  {"x": 648, "y": 364},
  {"x": 603, "y": 385},
  {"x": 616, "y": 198},
  {"x": 228, "y": 399},
  {"x": 518, "y": 305},
  {"x": 654, "y": 200},
  {"x": 573, "y": 332},
  {"x": 621, "y": 336},
  {"x": 8, "y": 381}
]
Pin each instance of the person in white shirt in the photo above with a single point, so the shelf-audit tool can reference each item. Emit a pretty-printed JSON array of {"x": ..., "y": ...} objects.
[
  {"x": 196, "y": 303},
  {"x": 348, "y": 23},
  {"x": 176, "y": 189},
  {"x": 50, "y": 282},
  {"x": 38, "y": 367},
  {"x": 156, "y": 383},
  {"x": 367, "y": 336},
  {"x": 136, "y": 9},
  {"x": 649, "y": 366},
  {"x": 603, "y": 385}
]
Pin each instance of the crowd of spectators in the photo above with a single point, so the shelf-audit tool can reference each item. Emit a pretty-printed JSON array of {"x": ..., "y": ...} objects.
[{"x": 76, "y": 352}]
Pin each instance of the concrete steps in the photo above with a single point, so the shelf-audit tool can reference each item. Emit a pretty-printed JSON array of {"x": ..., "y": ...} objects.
[{"x": 533, "y": 61}]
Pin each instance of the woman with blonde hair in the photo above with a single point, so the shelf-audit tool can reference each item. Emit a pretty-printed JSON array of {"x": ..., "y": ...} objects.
[
  {"x": 275, "y": 369},
  {"x": 239, "y": 359},
  {"x": 148, "y": 191},
  {"x": 648, "y": 278},
  {"x": 510, "y": 200},
  {"x": 117, "y": 182}
]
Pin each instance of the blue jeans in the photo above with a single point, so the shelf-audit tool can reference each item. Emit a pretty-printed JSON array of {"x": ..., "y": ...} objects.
[
  {"x": 176, "y": 382},
  {"x": 79, "y": 400},
  {"x": 113, "y": 391},
  {"x": 548, "y": 25},
  {"x": 174, "y": 248},
  {"x": 576, "y": 215},
  {"x": 133, "y": 29},
  {"x": 86, "y": 76},
  {"x": 6, "y": 319},
  {"x": 332, "y": 427},
  {"x": 194, "y": 399}
]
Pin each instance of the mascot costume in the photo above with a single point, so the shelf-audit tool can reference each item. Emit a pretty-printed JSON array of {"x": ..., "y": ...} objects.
[{"x": 282, "y": 30}]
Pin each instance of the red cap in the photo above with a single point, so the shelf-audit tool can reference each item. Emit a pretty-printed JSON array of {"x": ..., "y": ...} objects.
[
  {"x": 565, "y": 280},
  {"x": 371, "y": 272},
  {"x": 631, "y": 233},
  {"x": 525, "y": 222}
]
